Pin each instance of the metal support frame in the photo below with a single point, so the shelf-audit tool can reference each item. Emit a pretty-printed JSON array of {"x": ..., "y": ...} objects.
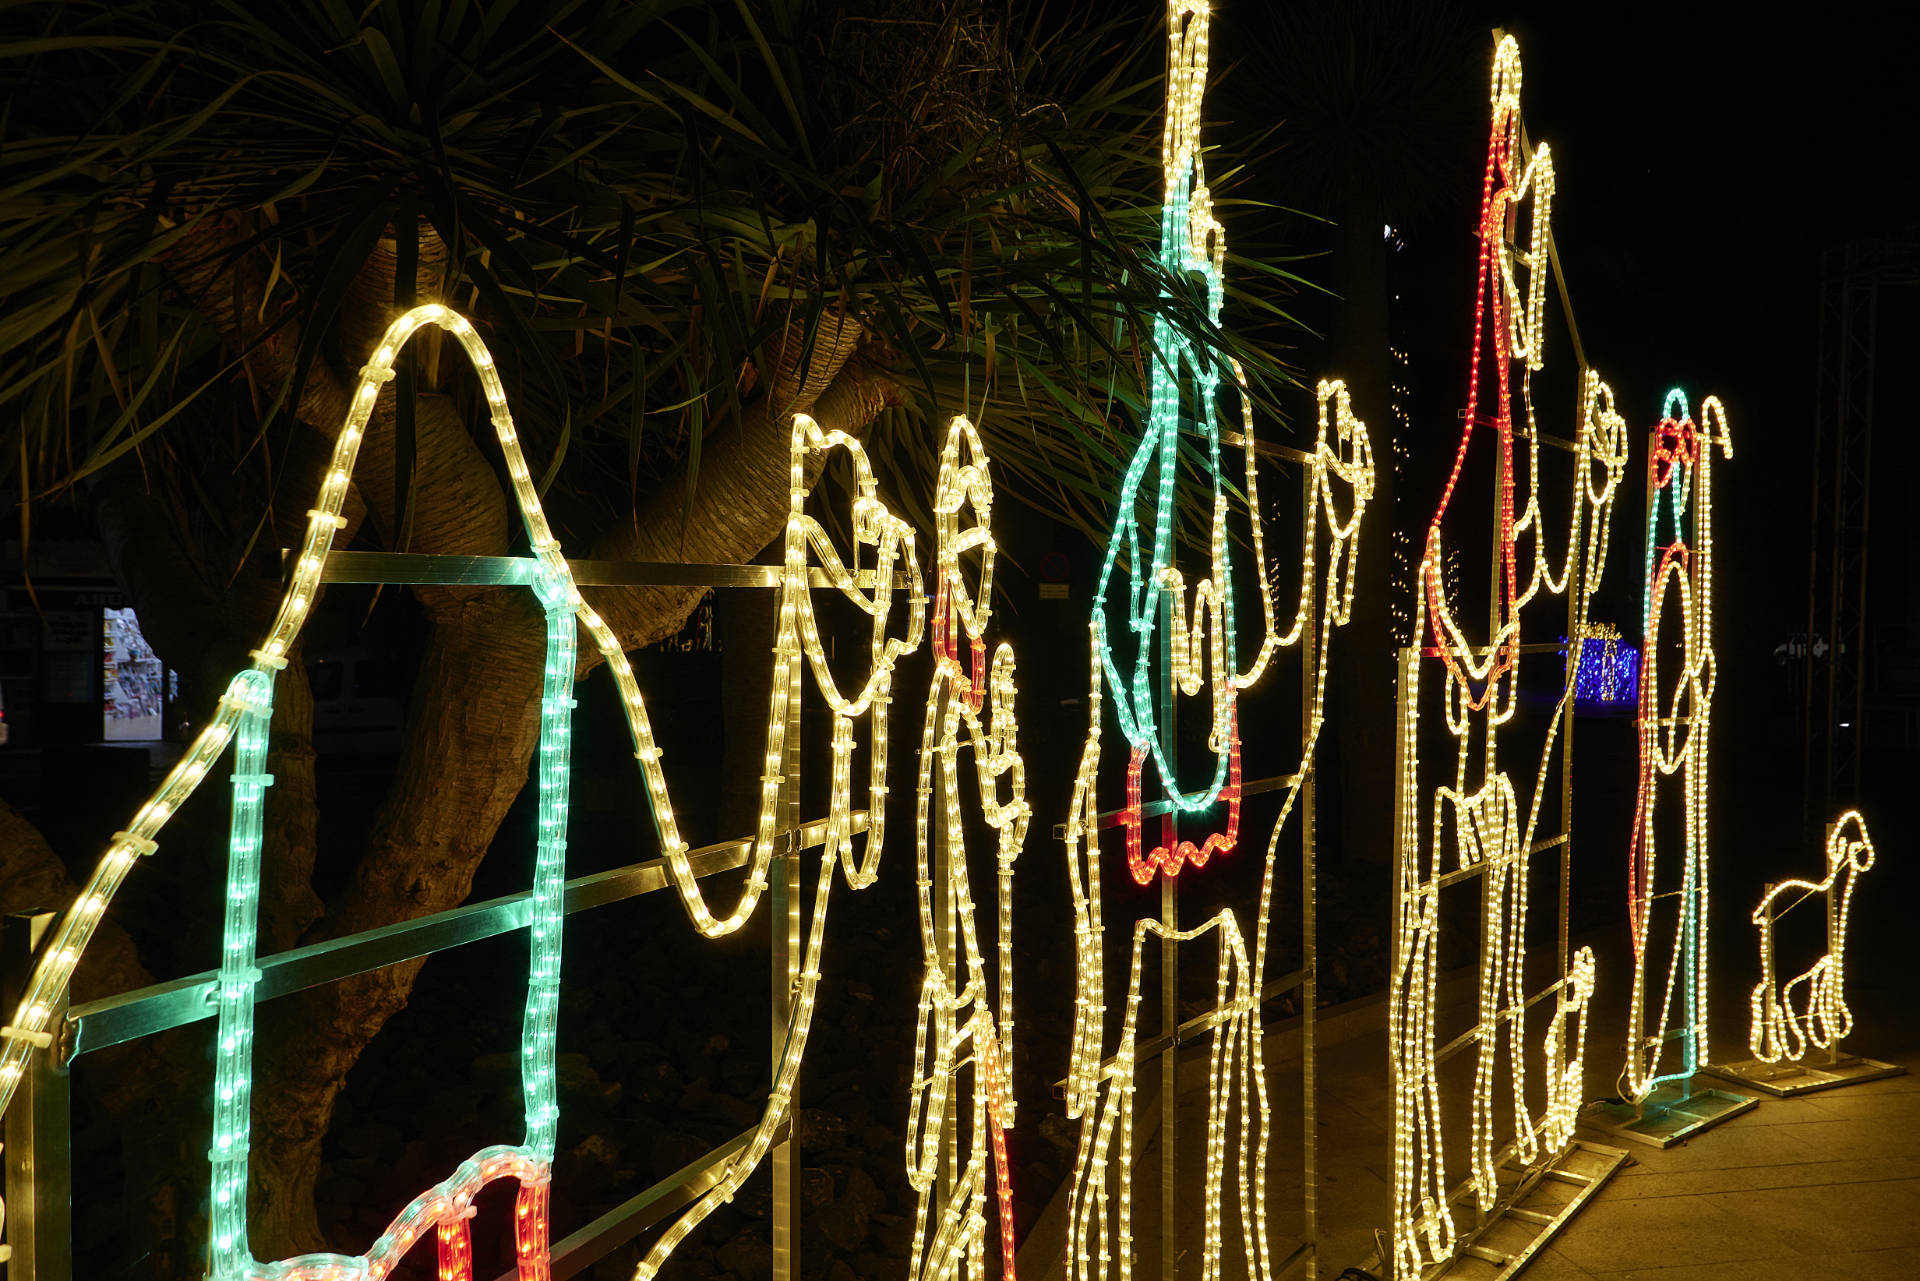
[
  {"x": 39, "y": 1135},
  {"x": 38, "y": 1125},
  {"x": 1586, "y": 1166},
  {"x": 1672, "y": 1113},
  {"x": 1841, "y": 481}
]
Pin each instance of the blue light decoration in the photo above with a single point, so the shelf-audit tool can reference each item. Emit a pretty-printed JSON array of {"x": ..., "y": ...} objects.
[{"x": 1608, "y": 673}]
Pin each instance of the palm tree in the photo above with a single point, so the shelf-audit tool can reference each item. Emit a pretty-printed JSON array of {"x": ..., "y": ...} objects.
[{"x": 676, "y": 223}]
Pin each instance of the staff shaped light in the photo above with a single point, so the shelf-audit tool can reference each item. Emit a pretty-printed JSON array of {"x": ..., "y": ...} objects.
[
  {"x": 1674, "y": 725},
  {"x": 1472, "y": 815},
  {"x": 1809, "y": 1011}
]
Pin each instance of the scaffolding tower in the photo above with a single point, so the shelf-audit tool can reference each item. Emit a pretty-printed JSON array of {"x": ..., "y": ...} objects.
[{"x": 1833, "y": 649}]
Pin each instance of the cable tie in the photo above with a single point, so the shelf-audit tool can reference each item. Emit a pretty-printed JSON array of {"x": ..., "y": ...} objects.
[
  {"x": 40, "y": 1039},
  {"x": 277, "y": 662},
  {"x": 327, "y": 518},
  {"x": 140, "y": 845},
  {"x": 376, "y": 373}
]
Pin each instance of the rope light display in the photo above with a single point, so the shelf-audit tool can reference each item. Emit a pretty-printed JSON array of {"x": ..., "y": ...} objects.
[
  {"x": 888, "y": 541},
  {"x": 1675, "y": 717},
  {"x": 243, "y": 714},
  {"x": 1469, "y": 820},
  {"x": 1197, "y": 651},
  {"x": 1797, "y": 1026},
  {"x": 1101, "y": 1092},
  {"x": 962, "y": 1013},
  {"x": 1787, "y": 1024}
]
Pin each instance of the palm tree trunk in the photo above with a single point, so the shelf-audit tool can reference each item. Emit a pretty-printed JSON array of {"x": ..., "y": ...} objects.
[{"x": 474, "y": 713}]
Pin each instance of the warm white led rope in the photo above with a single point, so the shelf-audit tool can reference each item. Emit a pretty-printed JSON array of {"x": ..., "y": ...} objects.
[
  {"x": 1476, "y": 817},
  {"x": 950, "y": 1216},
  {"x": 1101, "y": 1092},
  {"x": 891, "y": 541},
  {"x": 1674, "y": 738},
  {"x": 443, "y": 1208},
  {"x": 1821, "y": 1018},
  {"x": 1782, "y": 1030}
]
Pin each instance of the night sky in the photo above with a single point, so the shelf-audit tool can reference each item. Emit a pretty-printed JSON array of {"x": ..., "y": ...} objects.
[{"x": 1702, "y": 166}]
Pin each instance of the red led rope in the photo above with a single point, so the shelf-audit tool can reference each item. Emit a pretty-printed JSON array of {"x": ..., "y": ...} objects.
[
  {"x": 1170, "y": 860},
  {"x": 1493, "y": 206},
  {"x": 1637, "y": 875}
]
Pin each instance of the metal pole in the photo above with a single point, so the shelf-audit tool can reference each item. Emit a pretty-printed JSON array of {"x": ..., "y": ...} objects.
[
  {"x": 943, "y": 934},
  {"x": 1309, "y": 951},
  {"x": 1576, "y": 650},
  {"x": 1404, "y": 854},
  {"x": 784, "y": 929},
  {"x": 1169, "y": 972},
  {"x": 38, "y": 1127}
]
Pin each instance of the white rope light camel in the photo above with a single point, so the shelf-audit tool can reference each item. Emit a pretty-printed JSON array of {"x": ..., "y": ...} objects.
[{"x": 243, "y": 714}]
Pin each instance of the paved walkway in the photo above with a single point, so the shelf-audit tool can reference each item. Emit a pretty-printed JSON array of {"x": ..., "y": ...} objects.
[{"x": 1825, "y": 1187}]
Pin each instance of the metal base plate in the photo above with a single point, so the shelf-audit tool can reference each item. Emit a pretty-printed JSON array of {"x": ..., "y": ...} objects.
[
  {"x": 1667, "y": 1118},
  {"x": 1532, "y": 1210},
  {"x": 1784, "y": 1080}
]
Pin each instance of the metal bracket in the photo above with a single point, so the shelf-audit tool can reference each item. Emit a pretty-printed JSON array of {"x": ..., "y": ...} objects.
[{"x": 1787, "y": 1079}]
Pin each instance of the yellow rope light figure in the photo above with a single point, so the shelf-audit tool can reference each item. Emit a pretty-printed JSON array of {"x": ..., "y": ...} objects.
[
  {"x": 890, "y": 541},
  {"x": 1476, "y": 818},
  {"x": 876, "y": 530},
  {"x": 959, "y": 1015},
  {"x": 1101, "y": 1092},
  {"x": 1786, "y": 1027},
  {"x": 1674, "y": 735}
]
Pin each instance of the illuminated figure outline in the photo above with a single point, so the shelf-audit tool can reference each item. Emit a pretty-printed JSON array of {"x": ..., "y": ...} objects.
[
  {"x": 954, "y": 1026},
  {"x": 1100, "y": 1214},
  {"x": 1480, "y": 806},
  {"x": 1674, "y": 736},
  {"x": 1201, "y": 654},
  {"x": 242, "y": 717},
  {"x": 1779, "y": 1032}
]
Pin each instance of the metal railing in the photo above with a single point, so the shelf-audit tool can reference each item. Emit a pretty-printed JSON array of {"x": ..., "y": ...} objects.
[{"x": 38, "y": 1138}]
